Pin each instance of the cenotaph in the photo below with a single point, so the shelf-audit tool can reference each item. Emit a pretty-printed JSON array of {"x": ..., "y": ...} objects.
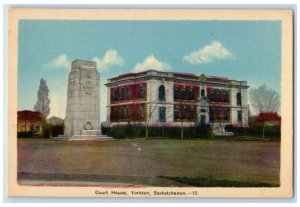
[{"x": 82, "y": 120}]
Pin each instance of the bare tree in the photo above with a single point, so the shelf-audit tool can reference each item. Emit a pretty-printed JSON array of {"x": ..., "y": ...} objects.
[
  {"x": 264, "y": 99},
  {"x": 43, "y": 101}
]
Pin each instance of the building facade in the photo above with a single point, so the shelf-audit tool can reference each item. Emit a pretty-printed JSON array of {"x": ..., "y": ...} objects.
[
  {"x": 175, "y": 99},
  {"x": 30, "y": 121}
]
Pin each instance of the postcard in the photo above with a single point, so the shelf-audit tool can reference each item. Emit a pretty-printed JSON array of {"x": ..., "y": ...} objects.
[{"x": 156, "y": 103}]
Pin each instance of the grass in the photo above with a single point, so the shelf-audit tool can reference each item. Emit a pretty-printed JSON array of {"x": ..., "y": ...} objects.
[
  {"x": 211, "y": 182},
  {"x": 151, "y": 160}
]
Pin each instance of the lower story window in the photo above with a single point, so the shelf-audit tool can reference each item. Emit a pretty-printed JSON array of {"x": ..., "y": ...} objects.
[
  {"x": 203, "y": 119},
  {"x": 162, "y": 114},
  {"x": 212, "y": 115},
  {"x": 176, "y": 113},
  {"x": 141, "y": 111},
  {"x": 127, "y": 113},
  {"x": 240, "y": 116},
  {"x": 183, "y": 112}
]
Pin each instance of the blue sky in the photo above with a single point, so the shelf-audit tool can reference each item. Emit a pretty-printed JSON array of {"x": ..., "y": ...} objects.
[{"x": 241, "y": 50}]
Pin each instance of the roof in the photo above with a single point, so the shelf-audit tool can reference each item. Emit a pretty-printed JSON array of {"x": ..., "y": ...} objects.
[
  {"x": 175, "y": 74},
  {"x": 55, "y": 120},
  {"x": 29, "y": 115}
]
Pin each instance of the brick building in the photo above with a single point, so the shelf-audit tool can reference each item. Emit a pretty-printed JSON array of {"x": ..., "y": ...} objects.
[
  {"x": 30, "y": 121},
  {"x": 169, "y": 98}
]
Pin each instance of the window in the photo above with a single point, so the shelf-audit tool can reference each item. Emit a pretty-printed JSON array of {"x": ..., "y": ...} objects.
[
  {"x": 127, "y": 92},
  {"x": 183, "y": 93},
  {"x": 219, "y": 113},
  {"x": 203, "y": 110},
  {"x": 183, "y": 112},
  {"x": 162, "y": 114},
  {"x": 122, "y": 113},
  {"x": 122, "y": 93},
  {"x": 127, "y": 112},
  {"x": 115, "y": 94},
  {"x": 226, "y": 114},
  {"x": 219, "y": 98},
  {"x": 238, "y": 99},
  {"x": 141, "y": 91},
  {"x": 176, "y": 92},
  {"x": 161, "y": 93},
  {"x": 192, "y": 112},
  {"x": 211, "y": 115},
  {"x": 191, "y": 93},
  {"x": 202, "y": 119},
  {"x": 114, "y": 116},
  {"x": 202, "y": 93},
  {"x": 239, "y": 116},
  {"x": 141, "y": 111},
  {"x": 225, "y": 96},
  {"x": 176, "y": 113},
  {"x": 212, "y": 95}
]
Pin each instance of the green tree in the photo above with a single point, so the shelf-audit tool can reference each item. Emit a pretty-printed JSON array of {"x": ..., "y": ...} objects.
[{"x": 43, "y": 101}]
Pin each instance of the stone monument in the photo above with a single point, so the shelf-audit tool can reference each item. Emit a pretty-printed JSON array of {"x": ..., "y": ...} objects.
[{"x": 83, "y": 102}]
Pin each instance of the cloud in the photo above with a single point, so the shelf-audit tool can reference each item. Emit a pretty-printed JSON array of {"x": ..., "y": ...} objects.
[
  {"x": 209, "y": 53},
  {"x": 110, "y": 58},
  {"x": 151, "y": 63},
  {"x": 60, "y": 62}
]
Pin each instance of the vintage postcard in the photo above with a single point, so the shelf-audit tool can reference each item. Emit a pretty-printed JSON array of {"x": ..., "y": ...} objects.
[{"x": 150, "y": 103}]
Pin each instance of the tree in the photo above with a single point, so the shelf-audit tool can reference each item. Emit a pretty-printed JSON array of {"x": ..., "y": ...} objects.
[
  {"x": 43, "y": 101},
  {"x": 264, "y": 99},
  {"x": 268, "y": 117}
]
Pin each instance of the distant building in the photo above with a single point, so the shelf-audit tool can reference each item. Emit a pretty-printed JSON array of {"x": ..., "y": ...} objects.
[
  {"x": 55, "y": 121},
  {"x": 173, "y": 99},
  {"x": 30, "y": 121}
]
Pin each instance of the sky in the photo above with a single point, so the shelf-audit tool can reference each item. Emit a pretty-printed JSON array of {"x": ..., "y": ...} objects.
[{"x": 239, "y": 50}]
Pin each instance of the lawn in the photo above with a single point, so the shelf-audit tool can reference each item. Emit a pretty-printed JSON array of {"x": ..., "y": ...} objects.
[{"x": 157, "y": 162}]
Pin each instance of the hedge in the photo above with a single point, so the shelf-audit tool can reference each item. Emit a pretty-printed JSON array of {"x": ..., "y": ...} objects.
[
  {"x": 132, "y": 131},
  {"x": 256, "y": 130}
]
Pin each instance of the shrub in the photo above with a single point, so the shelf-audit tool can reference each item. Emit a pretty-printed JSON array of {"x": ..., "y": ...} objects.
[
  {"x": 57, "y": 130},
  {"x": 24, "y": 134}
]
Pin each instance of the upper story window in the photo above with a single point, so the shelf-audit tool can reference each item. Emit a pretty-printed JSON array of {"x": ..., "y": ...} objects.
[
  {"x": 127, "y": 92},
  {"x": 141, "y": 91},
  {"x": 219, "y": 98},
  {"x": 122, "y": 93},
  {"x": 161, "y": 93},
  {"x": 202, "y": 93},
  {"x": 238, "y": 99},
  {"x": 225, "y": 96},
  {"x": 114, "y": 94},
  {"x": 191, "y": 94},
  {"x": 183, "y": 93},
  {"x": 176, "y": 92},
  {"x": 212, "y": 95}
]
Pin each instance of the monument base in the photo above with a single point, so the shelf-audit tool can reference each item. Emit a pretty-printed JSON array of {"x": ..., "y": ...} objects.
[
  {"x": 91, "y": 132},
  {"x": 84, "y": 137}
]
